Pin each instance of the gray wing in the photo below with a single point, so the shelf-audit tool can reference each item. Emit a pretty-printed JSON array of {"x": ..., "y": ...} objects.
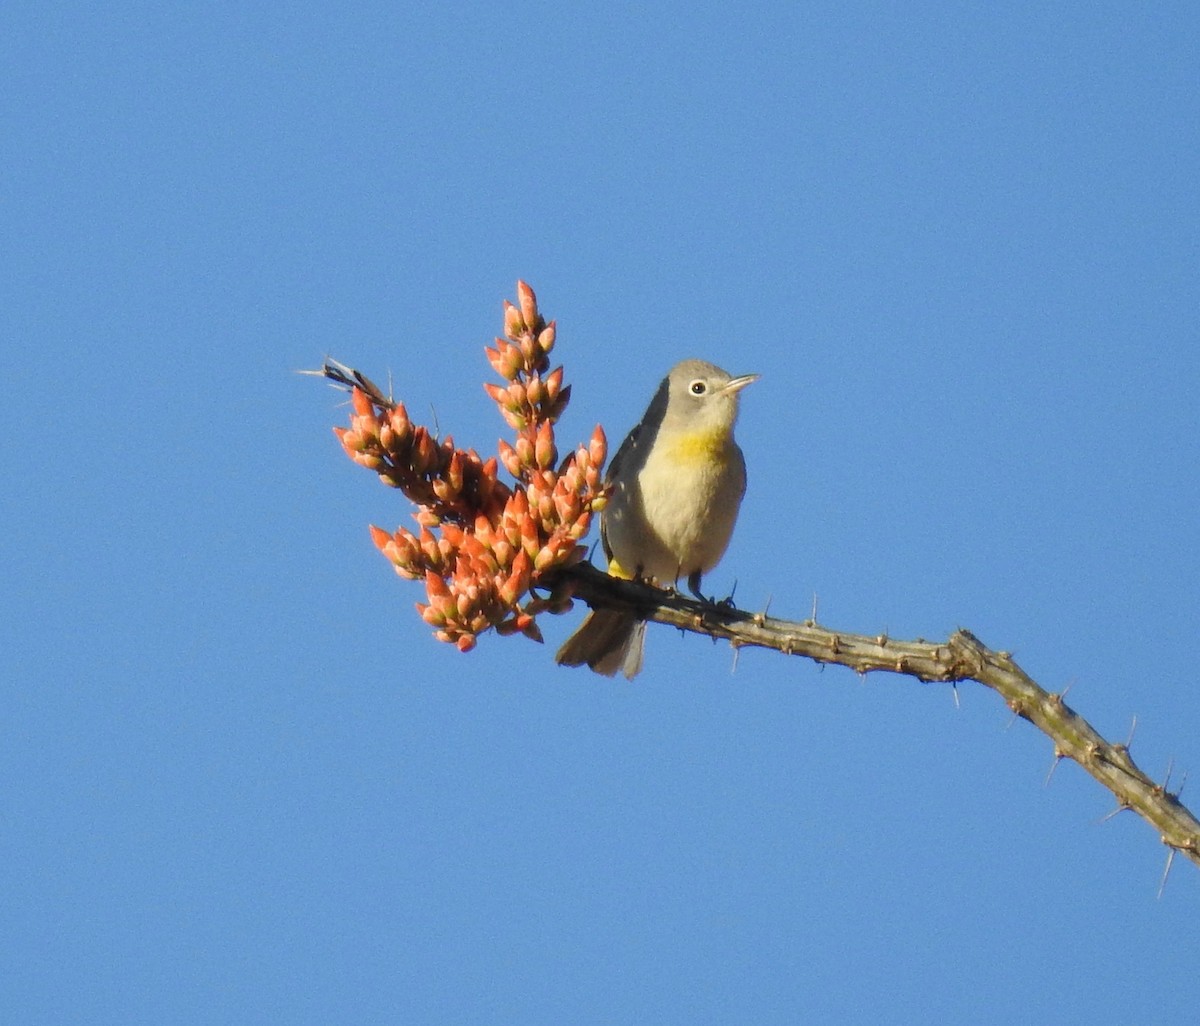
[
  {"x": 741, "y": 461},
  {"x": 642, "y": 434}
]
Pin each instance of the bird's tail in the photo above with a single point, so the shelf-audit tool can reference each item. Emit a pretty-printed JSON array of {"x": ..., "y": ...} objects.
[{"x": 608, "y": 640}]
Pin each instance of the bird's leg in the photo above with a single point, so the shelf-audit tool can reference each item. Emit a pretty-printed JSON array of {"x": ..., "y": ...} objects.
[{"x": 694, "y": 588}]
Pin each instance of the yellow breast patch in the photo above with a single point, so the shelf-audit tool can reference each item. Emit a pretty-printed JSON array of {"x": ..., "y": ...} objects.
[{"x": 705, "y": 447}]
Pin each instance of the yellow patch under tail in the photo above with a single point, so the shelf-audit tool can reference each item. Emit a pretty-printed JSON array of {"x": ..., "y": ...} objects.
[{"x": 616, "y": 570}]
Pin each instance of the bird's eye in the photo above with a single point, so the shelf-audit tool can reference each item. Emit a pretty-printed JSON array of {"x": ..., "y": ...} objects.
[{"x": 697, "y": 387}]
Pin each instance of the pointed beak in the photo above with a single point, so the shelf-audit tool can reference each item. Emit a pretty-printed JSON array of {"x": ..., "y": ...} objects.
[{"x": 737, "y": 384}]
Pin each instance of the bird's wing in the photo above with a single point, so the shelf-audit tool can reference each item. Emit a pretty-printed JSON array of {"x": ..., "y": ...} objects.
[{"x": 629, "y": 454}]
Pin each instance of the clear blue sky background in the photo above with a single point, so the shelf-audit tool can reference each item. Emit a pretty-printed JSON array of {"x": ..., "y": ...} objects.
[{"x": 240, "y": 782}]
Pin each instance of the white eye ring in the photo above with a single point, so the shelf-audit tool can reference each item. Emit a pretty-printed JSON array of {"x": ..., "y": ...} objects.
[{"x": 698, "y": 387}]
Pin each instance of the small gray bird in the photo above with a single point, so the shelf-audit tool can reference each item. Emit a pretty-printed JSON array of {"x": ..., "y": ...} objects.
[{"x": 677, "y": 484}]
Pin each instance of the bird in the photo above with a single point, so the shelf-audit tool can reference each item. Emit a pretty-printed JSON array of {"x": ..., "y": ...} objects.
[{"x": 676, "y": 485}]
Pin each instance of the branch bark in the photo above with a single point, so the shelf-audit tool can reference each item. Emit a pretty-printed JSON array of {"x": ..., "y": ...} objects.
[{"x": 959, "y": 658}]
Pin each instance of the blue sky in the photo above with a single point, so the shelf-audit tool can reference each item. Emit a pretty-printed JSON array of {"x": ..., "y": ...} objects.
[{"x": 242, "y": 783}]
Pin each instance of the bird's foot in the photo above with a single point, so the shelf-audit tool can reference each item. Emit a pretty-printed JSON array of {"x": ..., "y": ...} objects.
[{"x": 694, "y": 588}]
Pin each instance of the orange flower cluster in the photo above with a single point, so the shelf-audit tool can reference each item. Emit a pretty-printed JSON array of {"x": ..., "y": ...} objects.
[{"x": 482, "y": 543}]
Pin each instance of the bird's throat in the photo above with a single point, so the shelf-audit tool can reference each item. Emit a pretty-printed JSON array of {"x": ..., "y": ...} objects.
[{"x": 700, "y": 447}]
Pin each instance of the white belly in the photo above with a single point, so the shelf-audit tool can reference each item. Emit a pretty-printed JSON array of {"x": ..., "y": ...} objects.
[{"x": 676, "y": 522}]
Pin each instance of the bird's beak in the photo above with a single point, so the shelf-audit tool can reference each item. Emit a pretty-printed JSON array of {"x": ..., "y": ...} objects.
[{"x": 737, "y": 384}]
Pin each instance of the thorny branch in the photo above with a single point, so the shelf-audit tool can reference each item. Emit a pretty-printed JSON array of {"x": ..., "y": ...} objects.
[{"x": 961, "y": 657}]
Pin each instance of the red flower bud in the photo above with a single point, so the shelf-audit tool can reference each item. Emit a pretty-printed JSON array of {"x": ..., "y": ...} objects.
[
  {"x": 518, "y": 395},
  {"x": 524, "y": 451},
  {"x": 514, "y": 327},
  {"x": 463, "y": 606},
  {"x": 362, "y": 404},
  {"x": 529, "y": 536},
  {"x": 535, "y": 390},
  {"x": 435, "y": 587},
  {"x": 398, "y": 418},
  {"x": 512, "y": 462},
  {"x": 546, "y": 453},
  {"x": 598, "y": 447},
  {"x": 516, "y": 507},
  {"x": 528, "y": 301},
  {"x": 567, "y": 507},
  {"x": 454, "y": 473},
  {"x": 505, "y": 359},
  {"x": 517, "y": 582}
]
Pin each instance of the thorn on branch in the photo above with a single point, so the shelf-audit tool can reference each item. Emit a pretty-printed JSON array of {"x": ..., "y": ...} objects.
[
  {"x": 1162, "y": 886},
  {"x": 1058, "y": 757},
  {"x": 1122, "y": 806}
]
